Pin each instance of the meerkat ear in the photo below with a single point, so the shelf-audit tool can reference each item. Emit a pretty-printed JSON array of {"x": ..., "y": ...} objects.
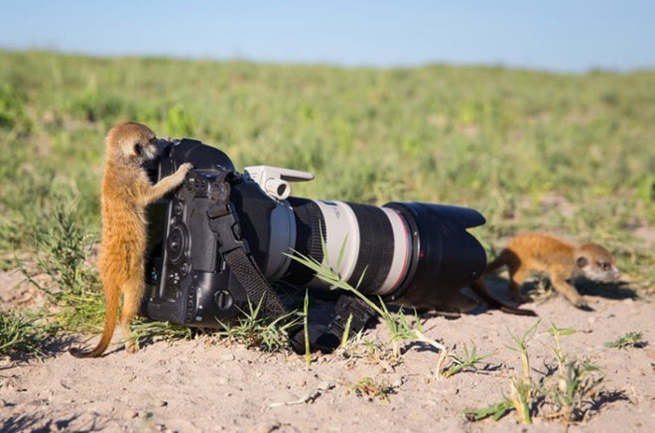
[
  {"x": 138, "y": 149},
  {"x": 582, "y": 262}
]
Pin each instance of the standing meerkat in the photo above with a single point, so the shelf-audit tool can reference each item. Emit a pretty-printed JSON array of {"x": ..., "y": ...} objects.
[
  {"x": 560, "y": 261},
  {"x": 126, "y": 191}
]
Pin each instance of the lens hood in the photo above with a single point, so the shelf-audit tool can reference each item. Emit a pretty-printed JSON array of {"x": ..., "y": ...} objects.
[{"x": 445, "y": 256}]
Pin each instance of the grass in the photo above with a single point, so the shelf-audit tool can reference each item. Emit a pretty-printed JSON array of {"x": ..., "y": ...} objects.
[
  {"x": 371, "y": 388},
  {"x": 631, "y": 339},
  {"x": 567, "y": 396},
  {"x": 502, "y": 141},
  {"x": 73, "y": 288},
  {"x": 450, "y": 364},
  {"x": 23, "y": 335},
  {"x": 256, "y": 330}
]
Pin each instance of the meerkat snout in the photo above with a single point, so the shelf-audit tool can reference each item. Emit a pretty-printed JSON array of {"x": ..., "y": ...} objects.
[{"x": 596, "y": 263}]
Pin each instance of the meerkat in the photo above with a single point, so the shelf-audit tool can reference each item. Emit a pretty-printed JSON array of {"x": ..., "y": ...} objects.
[
  {"x": 560, "y": 261},
  {"x": 126, "y": 191}
]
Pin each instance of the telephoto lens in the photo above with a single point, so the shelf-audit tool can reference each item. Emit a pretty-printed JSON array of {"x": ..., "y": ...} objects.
[{"x": 408, "y": 253}]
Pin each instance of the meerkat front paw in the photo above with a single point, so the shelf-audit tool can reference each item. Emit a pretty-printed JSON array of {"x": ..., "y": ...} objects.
[
  {"x": 185, "y": 168},
  {"x": 582, "y": 304},
  {"x": 182, "y": 171}
]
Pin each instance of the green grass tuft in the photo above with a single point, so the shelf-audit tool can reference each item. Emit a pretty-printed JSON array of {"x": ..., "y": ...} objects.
[
  {"x": 23, "y": 335},
  {"x": 256, "y": 330},
  {"x": 631, "y": 339}
]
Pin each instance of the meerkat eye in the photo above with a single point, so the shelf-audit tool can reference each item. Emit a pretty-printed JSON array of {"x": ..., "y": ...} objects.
[
  {"x": 138, "y": 149},
  {"x": 604, "y": 266}
]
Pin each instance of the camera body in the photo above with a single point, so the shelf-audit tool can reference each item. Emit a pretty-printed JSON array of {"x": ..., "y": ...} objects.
[{"x": 413, "y": 254}]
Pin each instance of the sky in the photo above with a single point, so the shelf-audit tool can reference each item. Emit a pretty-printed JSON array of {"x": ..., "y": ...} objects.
[{"x": 555, "y": 35}]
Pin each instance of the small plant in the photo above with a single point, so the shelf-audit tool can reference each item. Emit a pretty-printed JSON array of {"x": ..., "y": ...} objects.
[
  {"x": 496, "y": 411},
  {"x": 305, "y": 317},
  {"x": 557, "y": 333},
  {"x": 73, "y": 288},
  {"x": 568, "y": 397},
  {"x": 521, "y": 346},
  {"x": 577, "y": 385},
  {"x": 22, "y": 335},
  {"x": 346, "y": 331},
  {"x": 631, "y": 339},
  {"x": 369, "y": 387},
  {"x": 468, "y": 362},
  {"x": 259, "y": 331}
]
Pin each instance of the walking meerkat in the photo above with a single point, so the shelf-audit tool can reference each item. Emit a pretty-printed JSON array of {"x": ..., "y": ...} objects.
[
  {"x": 560, "y": 261},
  {"x": 126, "y": 191}
]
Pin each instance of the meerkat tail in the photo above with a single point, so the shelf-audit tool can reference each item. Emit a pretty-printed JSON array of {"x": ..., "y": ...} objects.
[
  {"x": 479, "y": 287},
  {"x": 111, "y": 318},
  {"x": 496, "y": 263},
  {"x": 517, "y": 311}
]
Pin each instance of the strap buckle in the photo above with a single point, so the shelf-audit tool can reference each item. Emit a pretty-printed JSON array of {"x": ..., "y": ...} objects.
[{"x": 223, "y": 220}]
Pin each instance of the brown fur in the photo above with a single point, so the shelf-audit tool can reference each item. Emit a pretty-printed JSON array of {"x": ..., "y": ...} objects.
[
  {"x": 126, "y": 191},
  {"x": 560, "y": 261}
]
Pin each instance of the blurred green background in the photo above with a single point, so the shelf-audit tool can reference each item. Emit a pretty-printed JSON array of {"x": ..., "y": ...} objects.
[{"x": 573, "y": 155}]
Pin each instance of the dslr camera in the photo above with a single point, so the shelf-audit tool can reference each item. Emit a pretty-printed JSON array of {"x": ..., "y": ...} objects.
[{"x": 411, "y": 254}]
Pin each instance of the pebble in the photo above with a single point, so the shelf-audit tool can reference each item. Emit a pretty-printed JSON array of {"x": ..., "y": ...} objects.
[
  {"x": 397, "y": 383},
  {"x": 227, "y": 357},
  {"x": 130, "y": 414},
  {"x": 223, "y": 380},
  {"x": 161, "y": 403},
  {"x": 324, "y": 386},
  {"x": 267, "y": 427},
  {"x": 182, "y": 426}
]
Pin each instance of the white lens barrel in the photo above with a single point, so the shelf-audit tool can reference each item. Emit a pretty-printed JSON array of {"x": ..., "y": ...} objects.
[
  {"x": 344, "y": 246},
  {"x": 342, "y": 236}
]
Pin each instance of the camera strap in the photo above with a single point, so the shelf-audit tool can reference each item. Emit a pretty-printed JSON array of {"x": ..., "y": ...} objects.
[
  {"x": 349, "y": 308},
  {"x": 234, "y": 250}
]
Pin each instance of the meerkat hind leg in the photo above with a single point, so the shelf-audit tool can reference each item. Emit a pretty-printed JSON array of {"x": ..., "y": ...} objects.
[
  {"x": 517, "y": 275},
  {"x": 132, "y": 294}
]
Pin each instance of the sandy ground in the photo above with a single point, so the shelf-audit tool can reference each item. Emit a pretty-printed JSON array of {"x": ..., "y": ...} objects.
[{"x": 200, "y": 385}]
